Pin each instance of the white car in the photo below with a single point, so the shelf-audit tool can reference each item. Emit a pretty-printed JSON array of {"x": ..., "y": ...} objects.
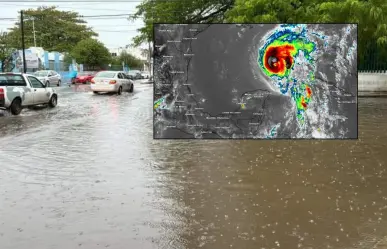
[
  {"x": 18, "y": 91},
  {"x": 145, "y": 75},
  {"x": 48, "y": 77},
  {"x": 111, "y": 81}
]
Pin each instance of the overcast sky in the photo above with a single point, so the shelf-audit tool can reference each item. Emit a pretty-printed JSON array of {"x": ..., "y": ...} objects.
[{"x": 114, "y": 32}]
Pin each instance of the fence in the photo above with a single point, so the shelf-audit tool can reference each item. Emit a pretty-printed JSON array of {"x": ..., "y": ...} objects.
[
  {"x": 64, "y": 69},
  {"x": 372, "y": 57}
]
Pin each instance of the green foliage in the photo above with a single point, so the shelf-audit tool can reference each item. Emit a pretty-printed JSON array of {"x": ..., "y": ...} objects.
[
  {"x": 372, "y": 23},
  {"x": 275, "y": 11},
  {"x": 55, "y": 30},
  {"x": 129, "y": 60},
  {"x": 92, "y": 53},
  {"x": 369, "y": 14},
  {"x": 67, "y": 59},
  {"x": 185, "y": 11},
  {"x": 6, "y": 50}
]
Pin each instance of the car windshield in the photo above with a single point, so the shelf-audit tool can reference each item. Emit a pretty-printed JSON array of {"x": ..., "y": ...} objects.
[
  {"x": 11, "y": 80},
  {"x": 105, "y": 75},
  {"x": 41, "y": 73}
]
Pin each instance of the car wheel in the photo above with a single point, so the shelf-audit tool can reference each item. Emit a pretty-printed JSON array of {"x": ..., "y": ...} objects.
[
  {"x": 53, "y": 101},
  {"x": 119, "y": 91},
  {"x": 16, "y": 106},
  {"x": 47, "y": 83},
  {"x": 131, "y": 88},
  {"x": 95, "y": 92},
  {"x": 59, "y": 82}
]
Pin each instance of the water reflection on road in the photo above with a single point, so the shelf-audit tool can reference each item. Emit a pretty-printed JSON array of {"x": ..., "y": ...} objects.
[{"x": 89, "y": 174}]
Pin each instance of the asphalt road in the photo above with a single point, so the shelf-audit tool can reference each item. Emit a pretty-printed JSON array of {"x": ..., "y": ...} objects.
[
  {"x": 88, "y": 174},
  {"x": 82, "y": 165}
]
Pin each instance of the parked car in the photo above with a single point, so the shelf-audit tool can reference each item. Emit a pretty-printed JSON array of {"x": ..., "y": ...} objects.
[
  {"x": 145, "y": 75},
  {"x": 84, "y": 77},
  {"x": 128, "y": 76},
  {"x": 49, "y": 77},
  {"x": 135, "y": 74},
  {"x": 18, "y": 91},
  {"x": 111, "y": 81}
]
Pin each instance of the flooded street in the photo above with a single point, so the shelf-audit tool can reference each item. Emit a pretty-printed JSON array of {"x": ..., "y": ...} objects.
[{"x": 88, "y": 174}]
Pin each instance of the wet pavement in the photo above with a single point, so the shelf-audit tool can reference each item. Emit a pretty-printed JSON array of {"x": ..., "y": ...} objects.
[{"x": 88, "y": 174}]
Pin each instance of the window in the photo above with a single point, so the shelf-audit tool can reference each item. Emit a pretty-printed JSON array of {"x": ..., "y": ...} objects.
[
  {"x": 35, "y": 83},
  {"x": 120, "y": 76},
  {"x": 12, "y": 80},
  {"x": 41, "y": 73},
  {"x": 105, "y": 75}
]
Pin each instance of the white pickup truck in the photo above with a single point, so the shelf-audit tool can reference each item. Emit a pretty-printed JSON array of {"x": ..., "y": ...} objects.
[{"x": 19, "y": 90}]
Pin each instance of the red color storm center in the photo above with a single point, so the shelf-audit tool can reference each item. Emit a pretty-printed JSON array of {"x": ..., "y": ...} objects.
[{"x": 278, "y": 58}]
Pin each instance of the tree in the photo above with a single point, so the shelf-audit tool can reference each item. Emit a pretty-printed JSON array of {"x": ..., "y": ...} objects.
[
  {"x": 68, "y": 59},
  {"x": 186, "y": 11},
  {"x": 55, "y": 30},
  {"x": 92, "y": 53},
  {"x": 275, "y": 11},
  {"x": 6, "y": 51},
  {"x": 372, "y": 27},
  {"x": 368, "y": 14},
  {"x": 129, "y": 60}
]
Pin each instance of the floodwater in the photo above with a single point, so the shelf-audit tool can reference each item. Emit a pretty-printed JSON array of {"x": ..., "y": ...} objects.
[{"x": 88, "y": 174}]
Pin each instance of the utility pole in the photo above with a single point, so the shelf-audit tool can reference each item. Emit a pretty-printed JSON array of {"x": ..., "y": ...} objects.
[
  {"x": 33, "y": 30},
  {"x": 149, "y": 59},
  {"x": 23, "y": 42}
]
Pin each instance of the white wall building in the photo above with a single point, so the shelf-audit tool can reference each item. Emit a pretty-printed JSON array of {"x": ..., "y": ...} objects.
[
  {"x": 135, "y": 51},
  {"x": 39, "y": 51}
]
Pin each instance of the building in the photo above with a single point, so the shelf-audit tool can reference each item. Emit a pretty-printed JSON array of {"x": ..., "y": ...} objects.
[
  {"x": 37, "y": 58},
  {"x": 135, "y": 51}
]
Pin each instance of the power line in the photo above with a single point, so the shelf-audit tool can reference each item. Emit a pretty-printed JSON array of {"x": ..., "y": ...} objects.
[
  {"x": 107, "y": 15},
  {"x": 89, "y": 1},
  {"x": 98, "y": 26},
  {"x": 59, "y": 7},
  {"x": 80, "y": 16},
  {"x": 115, "y": 31}
]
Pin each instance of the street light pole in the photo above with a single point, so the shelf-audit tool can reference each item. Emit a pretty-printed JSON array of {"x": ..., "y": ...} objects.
[
  {"x": 149, "y": 59},
  {"x": 33, "y": 30},
  {"x": 23, "y": 42}
]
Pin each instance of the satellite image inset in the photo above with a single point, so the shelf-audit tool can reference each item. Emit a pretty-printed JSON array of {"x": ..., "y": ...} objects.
[{"x": 255, "y": 81}]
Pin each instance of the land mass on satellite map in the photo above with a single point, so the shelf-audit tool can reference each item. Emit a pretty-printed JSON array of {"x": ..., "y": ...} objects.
[{"x": 255, "y": 81}]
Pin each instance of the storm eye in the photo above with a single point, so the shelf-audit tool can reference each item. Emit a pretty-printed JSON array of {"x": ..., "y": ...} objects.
[{"x": 272, "y": 60}]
